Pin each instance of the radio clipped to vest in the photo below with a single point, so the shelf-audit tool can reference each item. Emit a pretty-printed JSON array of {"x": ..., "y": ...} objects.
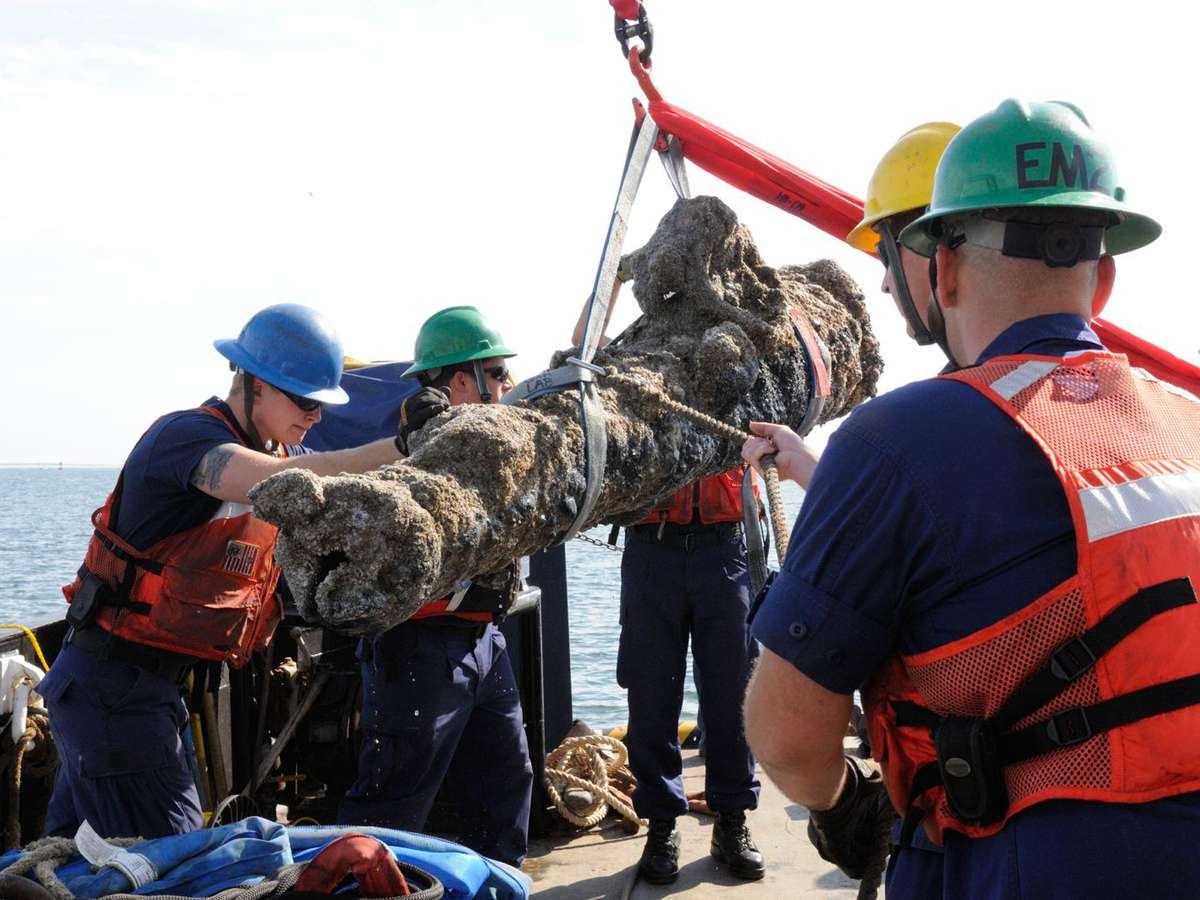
[
  {"x": 85, "y": 605},
  {"x": 970, "y": 768}
]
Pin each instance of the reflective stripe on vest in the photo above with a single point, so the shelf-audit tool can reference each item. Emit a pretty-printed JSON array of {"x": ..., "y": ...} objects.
[
  {"x": 1126, "y": 451},
  {"x": 206, "y": 592},
  {"x": 719, "y": 500}
]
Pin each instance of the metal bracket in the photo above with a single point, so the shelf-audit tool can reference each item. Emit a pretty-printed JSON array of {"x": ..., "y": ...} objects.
[
  {"x": 550, "y": 382},
  {"x": 672, "y": 160}
]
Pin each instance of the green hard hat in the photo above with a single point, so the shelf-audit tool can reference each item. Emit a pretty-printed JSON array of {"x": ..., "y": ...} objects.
[
  {"x": 1030, "y": 155},
  {"x": 457, "y": 334}
]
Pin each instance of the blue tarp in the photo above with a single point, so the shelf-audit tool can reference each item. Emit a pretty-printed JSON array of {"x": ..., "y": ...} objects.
[
  {"x": 205, "y": 862},
  {"x": 376, "y": 392}
]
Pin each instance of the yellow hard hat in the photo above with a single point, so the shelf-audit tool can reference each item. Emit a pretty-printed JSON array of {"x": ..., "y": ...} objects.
[{"x": 903, "y": 180}]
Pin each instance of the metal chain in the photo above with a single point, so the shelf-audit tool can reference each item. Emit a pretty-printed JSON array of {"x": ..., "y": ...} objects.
[{"x": 595, "y": 542}]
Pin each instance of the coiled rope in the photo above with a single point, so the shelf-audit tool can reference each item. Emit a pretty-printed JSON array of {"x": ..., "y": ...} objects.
[{"x": 589, "y": 762}]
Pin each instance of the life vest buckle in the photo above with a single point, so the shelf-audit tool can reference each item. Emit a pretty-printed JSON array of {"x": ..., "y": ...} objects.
[
  {"x": 1071, "y": 726},
  {"x": 1072, "y": 659}
]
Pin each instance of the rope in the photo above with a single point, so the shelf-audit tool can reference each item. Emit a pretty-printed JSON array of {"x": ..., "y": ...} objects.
[
  {"x": 37, "y": 732},
  {"x": 45, "y": 855},
  {"x": 591, "y": 763},
  {"x": 779, "y": 526}
]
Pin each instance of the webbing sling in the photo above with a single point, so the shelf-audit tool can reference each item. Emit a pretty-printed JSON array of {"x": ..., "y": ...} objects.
[{"x": 579, "y": 372}]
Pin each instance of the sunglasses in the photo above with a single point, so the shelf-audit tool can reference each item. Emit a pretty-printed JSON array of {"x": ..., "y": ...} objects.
[
  {"x": 500, "y": 373},
  {"x": 304, "y": 404}
]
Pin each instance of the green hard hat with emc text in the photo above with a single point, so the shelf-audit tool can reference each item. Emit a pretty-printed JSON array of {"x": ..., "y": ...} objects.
[{"x": 1024, "y": 154}]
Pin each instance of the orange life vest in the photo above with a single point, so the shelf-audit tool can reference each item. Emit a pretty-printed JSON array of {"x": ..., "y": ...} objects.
[
  {"x": 1090, "y": 691},
  {"x": 207, "y": 592},
  {"x": 717, "y": 497}
]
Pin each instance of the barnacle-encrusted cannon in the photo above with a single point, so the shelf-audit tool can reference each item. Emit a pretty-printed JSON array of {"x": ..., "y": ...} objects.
[{"x": 486, "y": 484}]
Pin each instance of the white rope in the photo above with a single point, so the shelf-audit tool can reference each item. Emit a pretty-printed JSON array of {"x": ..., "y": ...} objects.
[{"x": 587, "y": 763}]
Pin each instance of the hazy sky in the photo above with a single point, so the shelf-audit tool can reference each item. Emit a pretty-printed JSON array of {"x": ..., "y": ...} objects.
[{"x": 168, "y": 168}]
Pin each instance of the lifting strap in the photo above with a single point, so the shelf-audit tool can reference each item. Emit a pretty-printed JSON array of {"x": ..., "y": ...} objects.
[
  {"x": 579, "y": 372},
  {"x": 755, "y": 525}
]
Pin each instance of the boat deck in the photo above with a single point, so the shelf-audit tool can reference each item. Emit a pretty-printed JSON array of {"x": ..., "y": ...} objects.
[{"x": 600, "y": 864}]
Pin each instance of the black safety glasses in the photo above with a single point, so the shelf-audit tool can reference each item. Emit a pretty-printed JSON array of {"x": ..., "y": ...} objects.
[{"x": 304, "y": 404}]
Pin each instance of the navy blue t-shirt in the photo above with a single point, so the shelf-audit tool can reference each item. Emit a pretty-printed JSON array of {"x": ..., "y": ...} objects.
[
  {"x": 157, "y": 496},
  {"x": 932, "y": 515}
]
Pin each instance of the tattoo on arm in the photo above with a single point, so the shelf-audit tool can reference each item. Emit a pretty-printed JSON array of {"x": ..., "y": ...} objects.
[{"x": 207, "y": 476}]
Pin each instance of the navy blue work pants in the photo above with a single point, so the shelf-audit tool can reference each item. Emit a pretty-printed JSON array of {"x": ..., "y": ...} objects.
[
  {"x": 440, "y": 702},
  {"x": 123, "y": 765},
  {"x": 668, "y": 596}
]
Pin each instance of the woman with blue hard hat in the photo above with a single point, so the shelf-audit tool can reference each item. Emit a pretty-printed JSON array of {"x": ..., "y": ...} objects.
[{"x": 179, "y": 570}]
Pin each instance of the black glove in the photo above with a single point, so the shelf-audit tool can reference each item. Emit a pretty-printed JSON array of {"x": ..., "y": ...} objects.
[
  {"x": 845, "y": 834},
  {"x": 496, "y": 592},
  {"x": 416, "y": 410}
]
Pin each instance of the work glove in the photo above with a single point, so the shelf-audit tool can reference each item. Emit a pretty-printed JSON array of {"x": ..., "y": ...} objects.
[
  {"x": 845, "y": 834},
  {"x": 494, "y": 592},
  {"x": 416, "y": 410}
]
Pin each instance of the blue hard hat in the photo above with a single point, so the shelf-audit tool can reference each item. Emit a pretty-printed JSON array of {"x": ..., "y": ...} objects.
[{"x": 293, "y": 348}]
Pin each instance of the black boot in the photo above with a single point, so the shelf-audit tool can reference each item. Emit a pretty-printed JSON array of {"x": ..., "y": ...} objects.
[
  {"x": 660, "y": 857},
  {"x": 732, "y": 845}
]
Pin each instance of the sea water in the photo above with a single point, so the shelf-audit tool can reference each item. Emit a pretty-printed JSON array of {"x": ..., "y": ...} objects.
[{"x": 45, "y": 524}]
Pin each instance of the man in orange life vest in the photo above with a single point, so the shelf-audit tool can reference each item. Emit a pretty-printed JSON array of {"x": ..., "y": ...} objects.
[
  {"x": 684, "y": 576},
  {"x": 178, "y": 569},
  {"x": 440, "y": 700},
  {"x": 1003, "y": 559}
]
